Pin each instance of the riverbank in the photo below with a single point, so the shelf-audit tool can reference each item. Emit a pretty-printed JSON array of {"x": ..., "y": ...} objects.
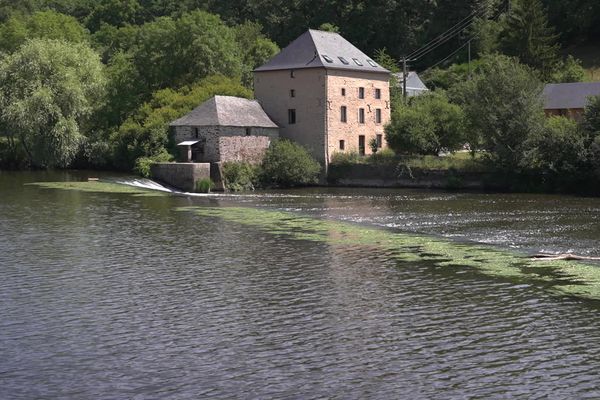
[{"x": 455, "y": 172}]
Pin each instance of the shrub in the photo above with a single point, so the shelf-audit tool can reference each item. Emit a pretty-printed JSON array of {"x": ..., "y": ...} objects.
[
  {"x": 204, "y": 185},
  {"x": 384, "y": 156},
  {"x": 288, "y": 164},
  {"x": 560, "y": 148},
  {"x": 142, "y": 164},
  {"x": 240, "y": 176},
  {"x": 348, "y": 158}
]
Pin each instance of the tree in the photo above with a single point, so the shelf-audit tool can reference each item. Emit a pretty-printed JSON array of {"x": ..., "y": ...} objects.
[
  {"x": 560, "y": 148},
  {"x": 255, "y": 47},
  {"x": 503, "y": 107},
  {"x": 42, "y": 24},
  {"x": 569, "y": 70},
  {"x": 288, "y": 164},
  {"x": 429, "y": 124},
  {"x": 146, "y": 133},
  {"x": 176, "y": 52},
  {"x": 528, "y": 36},
  {"x": 48, "y": 89}
]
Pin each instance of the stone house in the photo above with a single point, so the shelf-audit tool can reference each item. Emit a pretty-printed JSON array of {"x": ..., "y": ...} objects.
[
  {"x": 325, "y": 94},
  {"x": 569, "y": 99},
  {"x": 224, "y": 128}
]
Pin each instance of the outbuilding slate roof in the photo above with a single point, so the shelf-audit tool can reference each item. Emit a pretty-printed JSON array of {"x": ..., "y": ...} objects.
[
  {"x": 413, "y": 82},
  {"x": 227, "y": 111},
  {"x": 561, "y": 96},
  {"x": 320, "y": 49}
]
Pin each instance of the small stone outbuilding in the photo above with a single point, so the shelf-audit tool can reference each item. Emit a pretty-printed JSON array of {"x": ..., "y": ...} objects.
[{"x": 225, "y": 128}]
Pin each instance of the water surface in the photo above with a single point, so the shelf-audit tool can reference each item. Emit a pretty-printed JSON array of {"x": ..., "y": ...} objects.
[{"x": 113, "y": 296}]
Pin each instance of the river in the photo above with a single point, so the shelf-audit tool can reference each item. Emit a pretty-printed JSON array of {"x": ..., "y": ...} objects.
[{"x": 120, "y": 296}]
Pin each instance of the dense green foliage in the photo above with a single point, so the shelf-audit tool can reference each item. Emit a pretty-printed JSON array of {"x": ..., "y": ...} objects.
[
  {"x": 47, "y": 92},
  {"x": 240, "y": 176},
  {"x": 428, "y": 124},
  {"x": 503, "y": 106},
  {"x": 288, "y": 164},
  {"x": 146, "y": 134},
  {"x": 163, "y": 57}
]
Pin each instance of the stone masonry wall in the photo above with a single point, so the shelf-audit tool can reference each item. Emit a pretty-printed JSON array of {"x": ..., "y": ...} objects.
[
  {"x": 243, "y": 148},
  {"x": 350, "y": 130},
  {"x": 273, "y": 89},
  {"x": 182, "y": 176},
  {"x": 216, "y": 141}
]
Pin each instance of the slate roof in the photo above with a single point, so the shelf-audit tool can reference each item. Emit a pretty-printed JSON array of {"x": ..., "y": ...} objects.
[
  {"x": 320, "y": 49},
  {"x": 413, "y": 82},
  {"x": 561, "y": 96},
  {"x": 227, "y": 111}
]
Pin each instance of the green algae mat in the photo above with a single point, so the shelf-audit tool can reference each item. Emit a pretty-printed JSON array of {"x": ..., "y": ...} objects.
[
  {"x": 97, "y": 187},
  {"x": 570, "y": 278}
]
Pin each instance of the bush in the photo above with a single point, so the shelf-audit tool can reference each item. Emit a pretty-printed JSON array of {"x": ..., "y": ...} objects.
[
  {"x": 384, "y": 156},
  {"x": 204, "y": 186},
  {"x": 348, "y": 158},
  {"x": 142, "y": 164},
  {"x": 288, "y": 164},
  {"x": 559, "y": 149},
  {"x": 240, "y": 176}
]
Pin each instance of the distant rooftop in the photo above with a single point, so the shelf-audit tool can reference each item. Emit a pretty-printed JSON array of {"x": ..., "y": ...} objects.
[
  {"x": 413, "y": 82},
  {"x": 227, "y": 111},
  {"x": 320, "y": 49},
  {"x": 561, "y": 96}
]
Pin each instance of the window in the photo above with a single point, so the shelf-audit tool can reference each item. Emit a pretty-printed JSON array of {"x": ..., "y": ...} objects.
[
  {"x": 343, "y": 114},
  {"x": 377, "y": 93},
  {"x": 292, "y": 74},
  {"x": 361, "y": 115},
  {"x": 196, "y": 133},
  {"x": 357, "y": 62},
  {"x": 327, "y": 58},
  {"x": 343, "y": 91},
  {"x": 378, "y": 115},
  {"x": 372, "y": 63},
  {"x": 361, "y": 145},
  {"x": 291, "y": 116},
  {"x": 361, "y": 92},
  {"x": 248, "y": 131},
  {"x": 342, "y": 144},
  {"x": 344, "y": 61},
  {"x": 379, "y": 140},
  {"x": 292, "y": 93}
]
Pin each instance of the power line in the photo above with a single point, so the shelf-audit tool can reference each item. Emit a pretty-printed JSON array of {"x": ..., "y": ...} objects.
[
  {"x": 464, "y": 45},
  {"x": 447, "y": 35}
]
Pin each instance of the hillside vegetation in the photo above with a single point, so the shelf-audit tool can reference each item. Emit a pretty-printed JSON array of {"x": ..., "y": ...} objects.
[{"x": 147, "y": 62}]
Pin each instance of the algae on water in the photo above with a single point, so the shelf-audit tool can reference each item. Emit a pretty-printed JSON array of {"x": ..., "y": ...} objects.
[
  {"x": 97, "y": 187},
  {"x": 563, "y": 277}
]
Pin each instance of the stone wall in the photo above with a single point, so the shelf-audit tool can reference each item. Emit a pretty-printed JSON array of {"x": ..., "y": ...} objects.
[
  {"x": 273, "y": 89},
  {"x": 182, "y": 176},
  {"x": 216, "y": 140},
  {"x": 243, "y": 148},
  {"x": 349, "y": 82}
]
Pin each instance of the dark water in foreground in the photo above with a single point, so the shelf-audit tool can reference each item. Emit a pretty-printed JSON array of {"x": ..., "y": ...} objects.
[{"x": 109, "y": 296}]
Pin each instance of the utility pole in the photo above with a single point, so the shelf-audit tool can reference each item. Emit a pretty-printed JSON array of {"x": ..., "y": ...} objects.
[
  {"x": 509, "y": 7},
  {"x": 469, "y": 59},
  {"x": 404, "y": 77}
]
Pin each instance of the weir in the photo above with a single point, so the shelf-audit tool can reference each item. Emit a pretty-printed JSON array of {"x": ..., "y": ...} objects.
[{"x": 185, "y": 176}]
